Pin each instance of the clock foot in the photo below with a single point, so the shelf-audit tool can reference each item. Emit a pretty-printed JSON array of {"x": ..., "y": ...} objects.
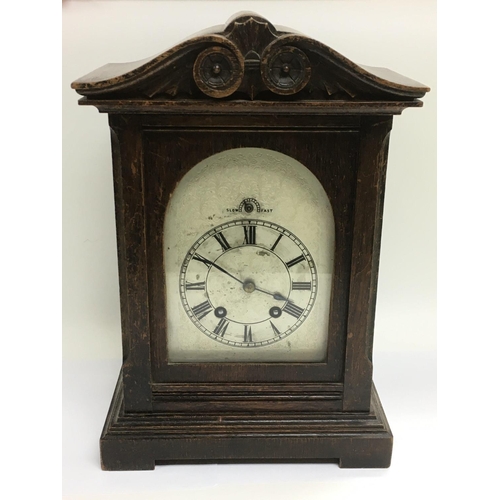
[
  {"x": 125, "y": 455},
  {"x": 141, "y": 440},
  {"x": 367, "y": 455}
]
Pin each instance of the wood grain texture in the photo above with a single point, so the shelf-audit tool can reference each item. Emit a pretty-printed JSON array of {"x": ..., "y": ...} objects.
[
  {"x": 247, "y": 109},
  {"x": 130, "y": 222},
  {"x": 370, "y": 185},
  {"x": 336, "y": 171},
  {"x": 142, "y": 440},
  {"x": 247, "y": 84},
  {"x": 251, "y": 60}
]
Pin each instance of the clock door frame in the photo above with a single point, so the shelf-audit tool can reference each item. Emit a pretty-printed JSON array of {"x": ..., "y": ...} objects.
[{"x": 346, "y": 375}]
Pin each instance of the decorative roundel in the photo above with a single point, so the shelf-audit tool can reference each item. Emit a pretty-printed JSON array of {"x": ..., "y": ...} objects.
[
  {"x": 218, "y": 71},
  {"x": 287, "y": 70}
]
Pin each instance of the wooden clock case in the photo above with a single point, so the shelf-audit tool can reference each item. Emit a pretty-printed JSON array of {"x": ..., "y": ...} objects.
[{"x": 247, "y": 84}]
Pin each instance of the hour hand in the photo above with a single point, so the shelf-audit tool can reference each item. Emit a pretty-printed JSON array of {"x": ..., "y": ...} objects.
[
  {"x": 275, "y": 295},
  {"x": 278, "y": 296}
]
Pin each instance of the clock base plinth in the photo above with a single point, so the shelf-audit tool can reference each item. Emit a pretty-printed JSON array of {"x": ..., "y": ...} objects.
[{"x": 141, "y": 440}]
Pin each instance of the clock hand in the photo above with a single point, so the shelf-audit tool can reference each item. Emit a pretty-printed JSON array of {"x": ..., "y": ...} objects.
[
  {"x": 209, "y": 263},
  {"x": 276, "y": 295}
]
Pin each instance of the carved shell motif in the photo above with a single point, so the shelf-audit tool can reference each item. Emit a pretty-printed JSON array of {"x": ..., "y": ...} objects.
[{"x": 248, "y": 58}]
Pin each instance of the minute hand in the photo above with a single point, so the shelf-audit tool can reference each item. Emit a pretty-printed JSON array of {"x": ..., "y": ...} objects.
[{"x": 209, "y": 263}]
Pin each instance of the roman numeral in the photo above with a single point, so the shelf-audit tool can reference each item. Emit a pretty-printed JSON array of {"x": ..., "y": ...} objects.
[
  {"x": 222, "y": 241},
  {"x": 201, "y": 310},
  {"x": 276, "y": 331},
  {"x": 293, "y": 310},
  {"x": 195, "y": 286},
  {"x": 221, "y": 327},
  {"x": 202, "y": 259},
  {"x": 249, "y": 235},
  {"x": 298, "y": 259},
  {"x": 276, "y": 242},
  {"x": 248, "y": 334},
  {"x": 301, "y": 285}
]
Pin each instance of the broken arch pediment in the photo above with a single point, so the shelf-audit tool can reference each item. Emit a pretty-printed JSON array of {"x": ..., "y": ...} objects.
[{"x": 248, "y": 59}]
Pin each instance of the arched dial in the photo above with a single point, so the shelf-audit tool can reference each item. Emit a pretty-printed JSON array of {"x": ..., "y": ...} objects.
[{"x": 248, "y": 283}]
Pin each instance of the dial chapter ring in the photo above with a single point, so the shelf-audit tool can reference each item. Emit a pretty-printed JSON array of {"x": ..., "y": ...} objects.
[{"x": 296, "y": 314}]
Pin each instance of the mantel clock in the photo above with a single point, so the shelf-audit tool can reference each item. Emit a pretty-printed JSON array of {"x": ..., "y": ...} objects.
[{"x": 249, "y": 167}]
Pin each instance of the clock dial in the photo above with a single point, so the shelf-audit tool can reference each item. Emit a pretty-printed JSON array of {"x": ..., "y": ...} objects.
[
  {"x": 248, "y": 283},
  {"x": 249, "y": 240}
]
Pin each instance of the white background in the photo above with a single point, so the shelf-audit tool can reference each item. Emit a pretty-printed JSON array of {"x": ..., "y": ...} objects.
[
  {"x": 400, "y": 35},
  {"x": 464, "y": 457}
]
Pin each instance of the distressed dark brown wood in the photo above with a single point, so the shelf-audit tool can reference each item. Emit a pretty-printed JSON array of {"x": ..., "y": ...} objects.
[
  {"x": 175, "y": 145},
  {"x": 247, "y": 84},
  {"x": 142, "y": 440},
  {"x": 269, "y": 57}
]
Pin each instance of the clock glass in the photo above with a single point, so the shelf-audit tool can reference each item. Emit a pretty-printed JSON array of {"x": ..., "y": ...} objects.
[{"x": 249, "y": 248}]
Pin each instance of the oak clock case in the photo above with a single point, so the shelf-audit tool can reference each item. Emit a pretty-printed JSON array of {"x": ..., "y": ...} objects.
[{"x": 249, "y": 167}]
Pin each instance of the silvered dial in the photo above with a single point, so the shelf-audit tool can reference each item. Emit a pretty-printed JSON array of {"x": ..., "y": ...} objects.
[{"x": 248, "y": 283}]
